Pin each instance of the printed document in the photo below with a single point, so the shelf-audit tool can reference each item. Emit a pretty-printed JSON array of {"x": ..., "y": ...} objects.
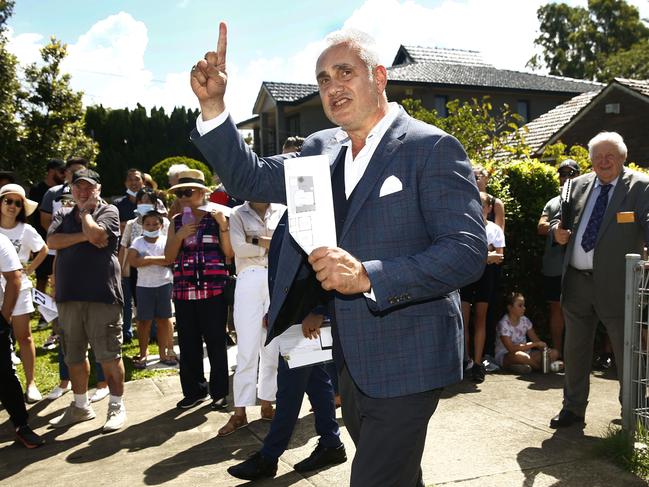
[{"x": 299, "y": 351}]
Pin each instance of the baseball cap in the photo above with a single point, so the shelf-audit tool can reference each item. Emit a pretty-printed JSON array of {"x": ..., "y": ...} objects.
[
  {"x": 570, "y": 164},
  {"x": 86, "y": 175}
]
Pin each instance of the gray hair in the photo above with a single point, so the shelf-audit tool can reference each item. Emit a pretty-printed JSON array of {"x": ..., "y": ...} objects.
[
  {"x": 363, "y": 43},
  {"x": 612, "y": 137},
  {"x": 176, "y": 168}
]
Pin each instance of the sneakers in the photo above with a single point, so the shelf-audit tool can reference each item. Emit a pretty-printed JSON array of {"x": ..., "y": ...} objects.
[
  {"x": 32, "y": 395},
  {"x": 51, "y": 342},
  {"x": 115, "y": 418},
  {"x": 520, "y": 369},
  {"x": 477, "y": 373},
  {"x": 58, "y": 392},
  {"x": 28, "y": 438},
  {"x": 101, "y": 393},
  {"x": 188, "y": 402},
  {"x": 219, "y": 404},
  {"x": 72, "y": 415},
  {"x": 490, "y": 365},
  {"x": 468, "y": 365}
]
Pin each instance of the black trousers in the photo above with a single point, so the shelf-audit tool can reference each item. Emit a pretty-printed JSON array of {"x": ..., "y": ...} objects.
[
  {"x": 11, "y": 393},
  {"x": 198, "y": 321},
  {"x": 389, "y": 434}
]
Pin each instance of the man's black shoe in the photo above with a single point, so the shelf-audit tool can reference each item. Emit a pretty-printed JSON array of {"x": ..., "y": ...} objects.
[
  {"x": 190, "y": 402},
  {"x": 219, "y": 404},
  {"x": 566, "y": 418},
  {"x": 256, "y": 467},
  {"x": 28, "y": 438},
  {"x": 322, "y": 457},
  {"x": 477, "y": 373}
]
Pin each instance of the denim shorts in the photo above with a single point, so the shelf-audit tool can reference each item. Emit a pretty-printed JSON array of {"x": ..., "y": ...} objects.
[{"x": 154, "y": 302}]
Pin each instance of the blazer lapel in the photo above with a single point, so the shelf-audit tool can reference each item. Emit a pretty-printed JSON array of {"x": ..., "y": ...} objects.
[
  {"x": 619, "y": 193},
  {"x": 381, "y": 158}
]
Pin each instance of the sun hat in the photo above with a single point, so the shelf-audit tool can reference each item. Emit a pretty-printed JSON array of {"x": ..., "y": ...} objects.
[
  {"x": 11, "y": 188},
  {"x": 190, "y": 178}
]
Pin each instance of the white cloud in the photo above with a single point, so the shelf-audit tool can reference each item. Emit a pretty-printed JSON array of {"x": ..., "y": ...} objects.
[{"x": 107, "y": 62}]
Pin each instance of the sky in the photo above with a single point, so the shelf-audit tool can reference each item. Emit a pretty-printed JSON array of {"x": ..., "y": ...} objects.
[{"x": 121, "y": 53}]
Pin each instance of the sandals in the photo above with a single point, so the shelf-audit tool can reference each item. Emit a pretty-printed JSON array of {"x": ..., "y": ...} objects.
[
  {"x": 234, "y": 423},
  {"x": 139, "y": 363},
  {"x": 171, "y": 361}
]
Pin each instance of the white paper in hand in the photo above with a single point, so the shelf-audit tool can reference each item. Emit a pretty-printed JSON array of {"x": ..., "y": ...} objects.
[{"x": 310, "y": 202}]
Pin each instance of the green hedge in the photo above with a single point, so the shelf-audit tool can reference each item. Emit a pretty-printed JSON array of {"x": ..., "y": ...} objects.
[
  {"x": 159, "y": 171},
  {"x": 524, "y": 186}
]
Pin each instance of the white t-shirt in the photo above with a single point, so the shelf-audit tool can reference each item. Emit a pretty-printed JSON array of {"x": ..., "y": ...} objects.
[
  {"x": 8, "y": 260},
  {"x": 25, "y": 240},
  {"x": 495, "y": 235},
  {"x": 152, "y": 275},
  {"x": 517, "y": 334}
]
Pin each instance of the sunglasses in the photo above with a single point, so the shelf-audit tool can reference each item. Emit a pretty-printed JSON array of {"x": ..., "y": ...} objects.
[
  {"x": 10, "y": 202},
  {"x": 566, "y": 174},
  {"x": 185, "y": 192}
]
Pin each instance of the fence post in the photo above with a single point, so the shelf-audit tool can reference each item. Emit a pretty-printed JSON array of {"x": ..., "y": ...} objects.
[{"x": 628, "y": 396}]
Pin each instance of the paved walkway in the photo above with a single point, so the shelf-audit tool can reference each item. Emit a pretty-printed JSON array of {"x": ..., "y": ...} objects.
[{"x": 495, "y": 434}]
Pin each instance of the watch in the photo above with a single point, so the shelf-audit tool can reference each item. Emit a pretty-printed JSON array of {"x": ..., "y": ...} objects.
[{"x": 254, "y": 240}]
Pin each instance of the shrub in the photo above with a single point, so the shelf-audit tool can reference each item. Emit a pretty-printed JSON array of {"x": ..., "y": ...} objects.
[
  {"x": 159, "y": 171},
  {"x": 524, "y": 186}
]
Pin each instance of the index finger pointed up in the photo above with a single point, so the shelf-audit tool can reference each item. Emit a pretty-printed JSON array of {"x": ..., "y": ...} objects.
[{"x": 222, "y": 44}]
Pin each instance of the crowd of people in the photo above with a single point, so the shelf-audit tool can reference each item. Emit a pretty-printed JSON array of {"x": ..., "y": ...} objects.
[{"x": 407, "y": 291}]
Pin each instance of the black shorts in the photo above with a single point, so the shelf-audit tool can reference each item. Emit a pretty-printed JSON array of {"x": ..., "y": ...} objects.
[
  {"x": 552, "y": 288},
  {"x": 482, "y": 291},
  {"x": 45, "y": 269}
]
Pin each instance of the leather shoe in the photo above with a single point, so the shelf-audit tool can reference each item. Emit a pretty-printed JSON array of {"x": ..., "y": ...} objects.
[
  {"x": 566, "y": 418},
  {"x": 256, "y": 467},
  {"x": 322, "y": 457}
]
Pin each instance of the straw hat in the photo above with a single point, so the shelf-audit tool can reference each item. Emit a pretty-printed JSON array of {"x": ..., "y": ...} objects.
[
  {"x": 29, "y": 205},
  {"x": 190, "y": 178}
]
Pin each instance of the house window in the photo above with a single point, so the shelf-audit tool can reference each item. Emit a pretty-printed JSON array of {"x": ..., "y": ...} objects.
[
  {"x": 293, "y": 125},
  {"x": 523, "y": 109},
  {"x": 440, "y": 105}
]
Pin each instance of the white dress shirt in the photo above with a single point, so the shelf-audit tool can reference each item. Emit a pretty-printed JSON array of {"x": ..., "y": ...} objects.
[{"x": 580, "y": 259}]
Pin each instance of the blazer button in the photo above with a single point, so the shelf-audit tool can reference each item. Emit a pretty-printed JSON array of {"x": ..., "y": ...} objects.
[{"x": 285, "y": 290}]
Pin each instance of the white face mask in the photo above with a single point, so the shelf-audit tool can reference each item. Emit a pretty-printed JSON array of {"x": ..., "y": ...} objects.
[
  {"x": 144, "y": 209},
  {"x": 151, "y": 234},
  {"x": 131, "y": 193}
]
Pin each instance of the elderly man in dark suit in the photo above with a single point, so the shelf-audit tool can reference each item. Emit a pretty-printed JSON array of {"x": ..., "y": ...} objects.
[
  {"x": 610, "y": 211},
  {"x": 410, "y": 233}
]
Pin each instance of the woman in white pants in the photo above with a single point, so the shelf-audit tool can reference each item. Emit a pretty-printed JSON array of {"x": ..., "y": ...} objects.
[{"x": 251, "y": 229}]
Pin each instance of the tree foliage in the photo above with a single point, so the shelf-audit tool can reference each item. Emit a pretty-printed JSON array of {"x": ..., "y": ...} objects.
[
  {"x": 578, "y": 42},
  {"x": 10, "y": 95},
  {"x": 631, "y": 63},
  {"x": 52, "y": 114},
  {"x": 481, "y": 131},
  {"x": 159, "y": 171},
  {"x": 134, "y": 138}
]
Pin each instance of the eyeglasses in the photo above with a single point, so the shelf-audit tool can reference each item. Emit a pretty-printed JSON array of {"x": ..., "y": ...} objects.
[
  {"x": 185, "y": 192},
  {"x": 10, "y": 202}
]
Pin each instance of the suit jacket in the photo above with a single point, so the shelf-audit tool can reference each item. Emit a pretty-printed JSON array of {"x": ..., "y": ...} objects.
[
  {"x": 418, "y": 245},
  {"x": 615, "y": 239}
]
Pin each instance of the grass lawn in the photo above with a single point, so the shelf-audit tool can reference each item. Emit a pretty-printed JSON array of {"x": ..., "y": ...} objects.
[{"x": 47, "y": 367}]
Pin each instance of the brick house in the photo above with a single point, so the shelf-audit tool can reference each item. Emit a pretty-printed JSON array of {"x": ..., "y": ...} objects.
[{"x": 433, "y": 75}]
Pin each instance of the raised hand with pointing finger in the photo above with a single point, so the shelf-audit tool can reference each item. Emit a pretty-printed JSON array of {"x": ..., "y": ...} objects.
[{"x": 209, "y": 77}]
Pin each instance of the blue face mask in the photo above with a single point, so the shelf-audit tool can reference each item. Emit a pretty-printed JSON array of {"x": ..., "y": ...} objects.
[
  {"x": 131, "y": 193},
  {"x": 143, "y": 209},
  {"x": 151, "y": 234}
]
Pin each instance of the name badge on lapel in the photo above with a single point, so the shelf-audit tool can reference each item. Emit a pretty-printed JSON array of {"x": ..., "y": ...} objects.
[{"x": 625, "y": 217}]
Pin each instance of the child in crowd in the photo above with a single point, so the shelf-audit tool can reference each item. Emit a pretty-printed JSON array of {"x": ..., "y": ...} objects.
[
  {"x": 153, "y": 291},
  {"x": 480, "y": 293},
  {"x": 513, "y": 351}
]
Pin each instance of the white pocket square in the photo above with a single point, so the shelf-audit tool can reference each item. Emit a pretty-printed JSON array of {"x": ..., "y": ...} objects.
[{"x": 390, "y": 185}]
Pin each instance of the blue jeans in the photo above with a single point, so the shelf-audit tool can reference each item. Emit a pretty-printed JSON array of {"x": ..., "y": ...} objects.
[{"x": 127, "y": 313}]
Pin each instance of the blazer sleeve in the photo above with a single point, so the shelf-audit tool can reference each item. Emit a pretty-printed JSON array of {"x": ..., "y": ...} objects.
[
  {"x": 452, "y": 215},
  {"x": 244, "y": 175}
]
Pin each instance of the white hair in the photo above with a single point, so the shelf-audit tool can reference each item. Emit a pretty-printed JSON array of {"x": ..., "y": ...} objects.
[
  {"x": 363, "y": 43},
  {"x": 174, "y": 169},
  {"x": 612, "y": 137}
]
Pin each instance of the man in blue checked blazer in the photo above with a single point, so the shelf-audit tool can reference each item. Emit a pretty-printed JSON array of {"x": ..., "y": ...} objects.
[{"x": 410, "y": 233}]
